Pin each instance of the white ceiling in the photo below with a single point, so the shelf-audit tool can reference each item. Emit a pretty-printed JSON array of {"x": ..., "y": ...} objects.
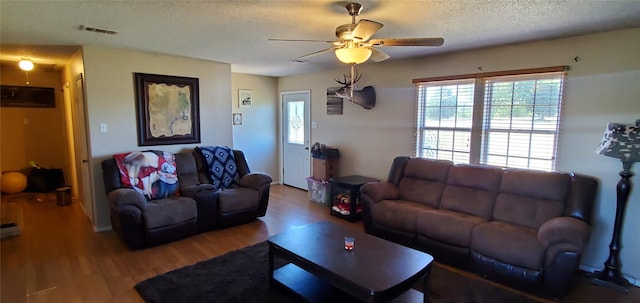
[{"x": 236, "y": 32}]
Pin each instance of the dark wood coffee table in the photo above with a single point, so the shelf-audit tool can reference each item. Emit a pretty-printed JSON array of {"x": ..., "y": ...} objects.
[{"x": 321, "y": 270}]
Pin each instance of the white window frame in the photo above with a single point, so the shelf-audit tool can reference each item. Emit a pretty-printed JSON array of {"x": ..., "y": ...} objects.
[{"x": 527, "y": 135}]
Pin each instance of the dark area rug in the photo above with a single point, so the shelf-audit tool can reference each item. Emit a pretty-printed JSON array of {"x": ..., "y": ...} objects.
[{"x": 242, "y": 276}]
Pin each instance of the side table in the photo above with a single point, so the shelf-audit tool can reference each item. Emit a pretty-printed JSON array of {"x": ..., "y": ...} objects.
[{"x": 345, "y": 192}]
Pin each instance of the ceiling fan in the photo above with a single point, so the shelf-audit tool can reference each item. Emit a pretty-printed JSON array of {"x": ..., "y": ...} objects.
[{"x": 354, "y": 44}]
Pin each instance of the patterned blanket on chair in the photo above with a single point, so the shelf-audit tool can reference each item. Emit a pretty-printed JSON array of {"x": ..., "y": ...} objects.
[{"x": 222, "y": 165}]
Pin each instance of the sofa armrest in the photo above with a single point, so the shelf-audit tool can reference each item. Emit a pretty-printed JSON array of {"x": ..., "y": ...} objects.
[
  {"x": 564, "y": 230},
  {"x": 255, "y": 180},
  {"x": 378, "y": 191},
  {"x": 190, "y": 191},
  {"x": 127, "y": 196}
]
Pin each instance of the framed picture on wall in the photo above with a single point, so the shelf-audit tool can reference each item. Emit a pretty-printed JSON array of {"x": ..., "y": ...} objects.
[
  {"x": 27, "y": 96},
  {"x": 168, "y": 109},
  {"x": 237, "y": 119},
  {"x": 245, "y": 98}
]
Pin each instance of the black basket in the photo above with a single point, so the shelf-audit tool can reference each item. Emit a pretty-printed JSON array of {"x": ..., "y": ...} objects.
[{"x": 325, "y": 153}]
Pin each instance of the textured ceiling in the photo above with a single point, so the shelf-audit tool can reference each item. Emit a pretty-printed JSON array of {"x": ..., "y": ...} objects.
[{"x": 236, "y": 32}]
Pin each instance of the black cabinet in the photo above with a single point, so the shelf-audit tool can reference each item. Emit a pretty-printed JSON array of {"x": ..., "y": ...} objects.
[{"x": 345, "y": 192}]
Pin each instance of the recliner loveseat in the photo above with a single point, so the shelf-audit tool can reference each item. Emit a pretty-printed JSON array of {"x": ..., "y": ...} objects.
[
  {"x": 523, "y": 228},
  {"x": 197, "y": 206}
]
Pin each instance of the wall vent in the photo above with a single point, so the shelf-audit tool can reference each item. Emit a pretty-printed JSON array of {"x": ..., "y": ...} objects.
[{"x": 99, "y": 30}]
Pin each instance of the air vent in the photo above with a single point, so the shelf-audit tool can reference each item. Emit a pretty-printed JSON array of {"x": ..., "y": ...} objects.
[{"x": 99, "y": 30}]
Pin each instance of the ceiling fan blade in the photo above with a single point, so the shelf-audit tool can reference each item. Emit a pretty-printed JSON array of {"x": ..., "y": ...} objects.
[
  {"x": 300, "y": 40},
  {"x": 407, "y": 42},
  {"x": 302, "y": 58},
  {"x": 378, "y": 55},
  {"x": 365, "y": 29}
]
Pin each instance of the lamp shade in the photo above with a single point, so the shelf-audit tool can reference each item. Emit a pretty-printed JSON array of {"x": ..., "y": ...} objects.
[
  {"x": 25, "y": 64},
  {"x": 353, "y": 55},
  {"x": 621, "y": 141}
]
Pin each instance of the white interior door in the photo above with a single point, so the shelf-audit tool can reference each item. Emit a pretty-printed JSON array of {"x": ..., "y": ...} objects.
[
  {"x": 296, "y": 166},
  {"x": 82, "y": 153}
]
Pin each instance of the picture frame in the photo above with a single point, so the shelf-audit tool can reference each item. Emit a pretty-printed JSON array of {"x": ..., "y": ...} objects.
[
  {"x": 237, "y": 119},
  {"x": 27, "y": 96},
  {"x": 334, "y": 103},
  {"x": 167, "y": 109},
  {"x": 245, "y": 98}
]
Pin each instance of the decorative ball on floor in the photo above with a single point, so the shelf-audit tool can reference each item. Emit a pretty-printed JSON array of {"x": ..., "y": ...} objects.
[{"x": 13, "y": 182}]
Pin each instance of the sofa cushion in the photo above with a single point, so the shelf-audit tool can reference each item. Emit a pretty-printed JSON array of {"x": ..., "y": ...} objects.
[
  {"x": 424, "y": 180},
  {"x": 446, "y": 226},
  {"x": 170, "y": 211},
  {"x": 536, "y": 184},
  {"x": 509, "y": 243},
  {"x": 531, "y": 198},
  {"x": 472, "y": 189},
  {"x": 187, "y": 170},
  {"x": 237, "y": 198},
  {"x": 398, "y": 214},
  {"x": 525, "y": 211}
]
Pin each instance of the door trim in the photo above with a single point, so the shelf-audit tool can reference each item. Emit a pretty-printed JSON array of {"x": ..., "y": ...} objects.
[
  {"x": 281, "y": 128},
  {"x": 82, "y": 127}
]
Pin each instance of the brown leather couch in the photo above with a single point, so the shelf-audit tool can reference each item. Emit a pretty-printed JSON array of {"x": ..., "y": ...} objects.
[
  {"x": 523, "y": 228},
  {"x": 197, "y": 208}
]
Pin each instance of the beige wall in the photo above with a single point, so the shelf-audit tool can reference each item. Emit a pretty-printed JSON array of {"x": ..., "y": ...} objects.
[
  {"x": 602, "y": 86},
  {"x": 33, "y": 134},
  {"x": 257, "y": 137},
  {"x": 109, "y": 75}
]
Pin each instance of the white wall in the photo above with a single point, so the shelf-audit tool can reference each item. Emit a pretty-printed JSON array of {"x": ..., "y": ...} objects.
[
  {"x": 110, "y": 95},
  {"x": 257, "y": 137},
  {"x": 602, "y": 86}
]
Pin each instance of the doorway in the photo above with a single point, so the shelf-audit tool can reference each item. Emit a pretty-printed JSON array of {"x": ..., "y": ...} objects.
[{"x": 296, "y": 164}]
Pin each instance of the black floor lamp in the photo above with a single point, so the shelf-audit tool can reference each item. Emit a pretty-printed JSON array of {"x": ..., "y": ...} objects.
[{"x": 623, "y": 142}]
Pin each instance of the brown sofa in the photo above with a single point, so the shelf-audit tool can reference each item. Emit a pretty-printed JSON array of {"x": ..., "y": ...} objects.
[
  {"x": 523, "y": 228},
  {"x": 196, "y": 208}
]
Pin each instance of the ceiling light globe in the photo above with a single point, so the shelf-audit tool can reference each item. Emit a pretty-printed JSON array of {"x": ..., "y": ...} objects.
[
  {"x": 354, "y": 55},
  {"x": 26, "y": 65}
]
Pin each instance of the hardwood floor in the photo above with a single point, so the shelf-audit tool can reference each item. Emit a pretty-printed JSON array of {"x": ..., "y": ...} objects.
[{"x": 59, "y": 258}]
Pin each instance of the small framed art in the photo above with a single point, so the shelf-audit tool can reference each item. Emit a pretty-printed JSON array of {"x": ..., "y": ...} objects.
[
  {"x": 237, "y": 119},
  {"x": 245, "y": 98}
]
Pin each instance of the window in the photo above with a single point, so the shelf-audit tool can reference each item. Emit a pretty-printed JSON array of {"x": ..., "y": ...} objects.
[
  {"x": 507, "y": 119},
  {"x": 295, "y": 122}
]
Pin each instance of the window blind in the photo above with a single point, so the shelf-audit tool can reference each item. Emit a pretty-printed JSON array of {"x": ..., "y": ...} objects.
[
  {"x": 521, "y": 120},
  {"x": 444, "y": 123},
  {"x": 500, "y": 118}
]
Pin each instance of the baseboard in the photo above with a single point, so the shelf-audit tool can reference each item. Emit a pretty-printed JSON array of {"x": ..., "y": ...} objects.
[{"x": 632, "y": 280}]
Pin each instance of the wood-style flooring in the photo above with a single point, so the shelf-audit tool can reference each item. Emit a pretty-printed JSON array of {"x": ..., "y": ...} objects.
[{"x": 59, "y": 258}]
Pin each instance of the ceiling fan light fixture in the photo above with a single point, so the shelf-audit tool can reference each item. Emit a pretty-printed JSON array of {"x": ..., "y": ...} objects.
[
  {"x": 353, "y": 55},
  {"x": 25, "y": 64}
]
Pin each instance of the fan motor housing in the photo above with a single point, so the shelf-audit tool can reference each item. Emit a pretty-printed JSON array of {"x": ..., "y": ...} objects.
[{"x": 343, "y": 32}]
